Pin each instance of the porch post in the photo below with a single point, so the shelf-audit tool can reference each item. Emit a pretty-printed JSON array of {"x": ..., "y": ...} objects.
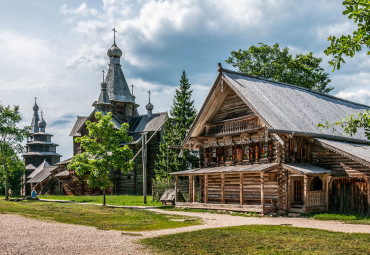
[
  {"x": 262, "y": 191},
  {"x": 223, "y": 189},
  {"x": 241, "y": 189},
  {"x": 194, "y": 190},
  {"x": 190, "y": 188},
  {"x": 305, "y": 189},
  {"x": 328, "y": 178},
  {"x": 176, "y": 192},
  {"x": 368, "y": 196},
  {"x": 289, "y": 195},
  {"x": 206, "y": 188}
]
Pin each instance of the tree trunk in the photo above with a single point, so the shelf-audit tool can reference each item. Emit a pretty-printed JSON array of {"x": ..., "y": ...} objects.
[
  {"x": 104, "y": 197},
  {"x": 6, "y": 186}
]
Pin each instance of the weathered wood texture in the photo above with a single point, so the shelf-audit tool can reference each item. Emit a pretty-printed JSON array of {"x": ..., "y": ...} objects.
[
  {"x": 349, "y": 195},
  {"x": 338, "y": 164},
  {"x": 232, "y": 107}
]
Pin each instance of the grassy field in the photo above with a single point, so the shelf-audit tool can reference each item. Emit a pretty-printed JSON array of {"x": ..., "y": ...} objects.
[
  {"x": 97, "y": 216},
  {"x": 111, "y": 200},
  {"x": 352, "y": 219},
  {"x": 261, "y": 240}
]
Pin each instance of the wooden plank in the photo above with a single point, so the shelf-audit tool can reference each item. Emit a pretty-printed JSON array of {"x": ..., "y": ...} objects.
[
  {"x": 262, "y": 190},
  {"x": 190, "y": 188},
  {"x": 206, "y": 188},
  {"x": 194, "y": 190},
  {"x": 176, "y": 191},
  {"x": 241, "y": 189},
  {"x": 223, "y": 189},
  {"x": 305, "y": 189}
]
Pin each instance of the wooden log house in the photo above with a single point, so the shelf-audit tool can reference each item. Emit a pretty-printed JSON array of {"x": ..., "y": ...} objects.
[{"x": 261, "y": 150}]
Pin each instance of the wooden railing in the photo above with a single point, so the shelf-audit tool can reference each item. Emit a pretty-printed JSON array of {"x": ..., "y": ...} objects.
[
  {"x": 233, "y": 127},
  {"x": 315, "y": 198}
]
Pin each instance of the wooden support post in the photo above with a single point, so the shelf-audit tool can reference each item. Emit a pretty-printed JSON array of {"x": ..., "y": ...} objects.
[
  {"x": 206, "y": 188},
  {"x": 144, "y": 159},
  {"x": 328, "y": 178},
  {"x": 289, "y": 192},
  {"x": 368, "y": 196},
  {"x": 305, "y": 189},
  {"x": 190, "y": 188},
  {"x": 176, "y": 189},
  {"x": 223, "y": 200},
  {"x": 241, "y": 189},
  {"x": 262, "y": 190},
  {"x": 194, "y": 189}
]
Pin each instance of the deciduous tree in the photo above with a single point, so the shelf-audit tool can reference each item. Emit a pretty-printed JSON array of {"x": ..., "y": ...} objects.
[
  {"x": 11, "y": 137},
  {"x": 277, "y": 64},
  {"x": 348, "y": 45},
  {"x": 105, "y": 149}
]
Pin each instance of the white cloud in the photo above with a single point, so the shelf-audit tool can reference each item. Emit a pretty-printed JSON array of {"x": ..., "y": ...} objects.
[
  {"x": 361, "y": 96},
  {"x": 338, "y": 29},
  {"x": 88, "y": 56},
  {"x": 82, "y": 10}
]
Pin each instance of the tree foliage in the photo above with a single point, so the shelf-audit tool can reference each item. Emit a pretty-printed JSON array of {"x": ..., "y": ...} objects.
[
  {"x": 11, "y": 137},
  {"x": 105, "y": 149},
  {"x": 351, "y": 123},
  {"x": 182, "y": 115},
  {"x": 277, "y": 64},
  {"x": 349, "y": 45},
  {"x": 15, "y": 168}
]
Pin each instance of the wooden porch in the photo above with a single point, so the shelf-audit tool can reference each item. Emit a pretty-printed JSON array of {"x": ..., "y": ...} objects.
[{"x": 250, "y": 188}]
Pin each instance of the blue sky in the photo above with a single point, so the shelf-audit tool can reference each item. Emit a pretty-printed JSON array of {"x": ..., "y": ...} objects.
[{"x": 55, "y": 50}]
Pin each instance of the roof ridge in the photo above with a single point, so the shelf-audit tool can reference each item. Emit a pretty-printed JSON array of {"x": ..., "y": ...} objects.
[{"x": 221, "y": 69}]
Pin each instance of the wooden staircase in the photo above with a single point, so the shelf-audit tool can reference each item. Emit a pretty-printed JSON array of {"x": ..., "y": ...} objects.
[{"x": 296, "y": 208}]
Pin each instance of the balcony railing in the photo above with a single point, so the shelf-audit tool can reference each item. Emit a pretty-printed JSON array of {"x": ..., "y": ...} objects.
[
  {"x": 233, "y": 127},
  {"x": 315, "y": 198}
]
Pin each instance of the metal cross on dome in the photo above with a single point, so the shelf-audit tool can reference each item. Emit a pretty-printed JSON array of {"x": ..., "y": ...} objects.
[
  {"x": 35, "y": 99},
  {"x": 114, "y": 34},
  {"x": 132, "y": 89},
  {"x": 149, "y": 95},
  {"x": 103, "y": 74}
]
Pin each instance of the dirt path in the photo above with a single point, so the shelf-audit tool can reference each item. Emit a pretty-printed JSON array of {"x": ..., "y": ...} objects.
[
  {"x": 212, "y": 220},
  {"x": 19, "y": 235}
]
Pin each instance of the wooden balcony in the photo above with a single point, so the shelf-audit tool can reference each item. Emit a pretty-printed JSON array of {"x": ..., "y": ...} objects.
[{"x": 233, "y": 126}]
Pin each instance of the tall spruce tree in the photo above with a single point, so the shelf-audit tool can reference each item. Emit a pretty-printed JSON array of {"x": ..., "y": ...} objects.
[{"x": 182, "y": 115}]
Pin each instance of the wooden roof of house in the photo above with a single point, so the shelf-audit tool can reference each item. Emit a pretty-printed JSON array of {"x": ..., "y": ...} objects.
[
  {"x": 282, "y": 107},
  {"x": 45, "y": 172},
  {"x": 357, "y": 152},
  {"x": 306, "y": 168},
  {"x": 229, "y": 169}
]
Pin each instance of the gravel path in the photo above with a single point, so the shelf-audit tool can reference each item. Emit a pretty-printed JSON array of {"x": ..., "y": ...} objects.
[{"x": 19, "y": 235}]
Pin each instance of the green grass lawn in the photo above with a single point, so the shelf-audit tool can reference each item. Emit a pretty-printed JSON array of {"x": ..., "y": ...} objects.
[
  {"x": 261, "y": 240},
  {"x": 352, "y": 219},
  {"x": 106, "y": 218},
  {"x": 110, "y": 200}
]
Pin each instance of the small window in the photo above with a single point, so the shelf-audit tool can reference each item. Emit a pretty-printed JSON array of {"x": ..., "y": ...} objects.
[{"x": 316, "y": 184}]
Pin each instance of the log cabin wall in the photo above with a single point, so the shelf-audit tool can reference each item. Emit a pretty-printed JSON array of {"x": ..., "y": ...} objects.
[
  {"x": 340, "y": 166},
  {"x": 132, "y": 182}
]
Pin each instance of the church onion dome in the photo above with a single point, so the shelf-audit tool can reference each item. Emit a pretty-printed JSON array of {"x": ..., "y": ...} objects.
[
  {"x": 149, "y": 107},
  {"x": 35, "y": 107},
  {"x": 42, "y": 123},
  {"x": 114, "y": 52}
]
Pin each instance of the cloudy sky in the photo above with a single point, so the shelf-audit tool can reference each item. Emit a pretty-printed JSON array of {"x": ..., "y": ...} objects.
[{"x": 55, "y": 50}]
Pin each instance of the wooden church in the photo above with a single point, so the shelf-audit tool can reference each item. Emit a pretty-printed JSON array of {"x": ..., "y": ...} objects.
[
  {"x": 261, "y": 150},
  {"x": 115, "y": 97}
]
